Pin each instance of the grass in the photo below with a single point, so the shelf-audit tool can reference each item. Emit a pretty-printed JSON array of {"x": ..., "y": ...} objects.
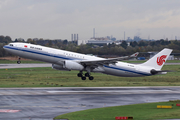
[
  {"x": 48, "y": 77},
  {"x": 146, "y": 111}
]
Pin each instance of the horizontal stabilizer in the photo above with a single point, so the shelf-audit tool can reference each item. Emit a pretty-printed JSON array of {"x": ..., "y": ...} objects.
[{"x": 154, "y": 72}]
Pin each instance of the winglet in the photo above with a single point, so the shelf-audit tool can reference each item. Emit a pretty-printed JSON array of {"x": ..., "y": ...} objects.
[{"x": 134, "y": 55}]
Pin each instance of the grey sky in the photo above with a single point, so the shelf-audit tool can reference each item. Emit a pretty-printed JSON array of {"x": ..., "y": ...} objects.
[{"x": 58, "y": 19}]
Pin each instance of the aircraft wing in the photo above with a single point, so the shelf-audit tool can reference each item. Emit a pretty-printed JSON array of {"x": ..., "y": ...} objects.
[{"x": 106, "y": 61}]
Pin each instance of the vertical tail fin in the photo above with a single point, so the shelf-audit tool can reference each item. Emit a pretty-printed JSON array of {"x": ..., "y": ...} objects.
[{"x": 159, "y": 59}]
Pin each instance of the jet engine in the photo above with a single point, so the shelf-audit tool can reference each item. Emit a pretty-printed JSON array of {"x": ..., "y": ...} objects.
[
  {"x": 59, "y": 67},
  {"x": 71, "y": 65}
]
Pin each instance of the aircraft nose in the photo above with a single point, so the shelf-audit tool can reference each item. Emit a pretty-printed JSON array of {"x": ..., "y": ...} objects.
[{"x": 5, "y": 47}]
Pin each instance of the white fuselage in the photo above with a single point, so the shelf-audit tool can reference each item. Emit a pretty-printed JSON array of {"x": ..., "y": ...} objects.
[{"x": 56, "y": 56}]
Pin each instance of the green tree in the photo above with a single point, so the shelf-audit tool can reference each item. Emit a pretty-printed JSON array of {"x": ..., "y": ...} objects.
[
  {"x": 29, "y": 40},
  {"x": 133, "y": 44},
  {"x": 65, "y": 42},
  {"x": 124, "y": 44},
  {"x": 142, "y": 43}
]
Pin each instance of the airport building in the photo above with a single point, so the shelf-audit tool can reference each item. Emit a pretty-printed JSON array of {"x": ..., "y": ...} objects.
[
  {"x": 99, "y": 42},
  {"x": 96, "y": 41}
]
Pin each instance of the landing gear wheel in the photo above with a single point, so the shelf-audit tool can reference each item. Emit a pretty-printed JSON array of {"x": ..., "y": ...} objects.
[
  {"x": 87, "y": 74},
  {"x": 91, "y": 77},
  {"x": 79, "y": 75},
  {"x": 18, "y": 62},
  {"x": 83, "y": 78}
]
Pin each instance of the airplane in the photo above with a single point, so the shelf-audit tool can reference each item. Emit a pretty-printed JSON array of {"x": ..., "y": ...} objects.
[{"x": 67, "y": 61}]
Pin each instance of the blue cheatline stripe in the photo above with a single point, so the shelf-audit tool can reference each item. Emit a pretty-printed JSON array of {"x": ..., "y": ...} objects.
[
  {"x": 117, "y": 68},
  {"x": 40, "y": 53}
]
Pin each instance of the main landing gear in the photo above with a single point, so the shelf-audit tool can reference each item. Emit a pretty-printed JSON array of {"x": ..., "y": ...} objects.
[
  {"x": 19, "y": 60},
  {"x": 80, "y": 74}
]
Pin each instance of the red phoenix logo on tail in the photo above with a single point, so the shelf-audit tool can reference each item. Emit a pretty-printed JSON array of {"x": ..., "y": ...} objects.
[{"x": 161, "y": 60}]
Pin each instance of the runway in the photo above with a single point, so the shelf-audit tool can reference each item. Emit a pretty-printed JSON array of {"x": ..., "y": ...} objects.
[{"x": 46, "y": 103}]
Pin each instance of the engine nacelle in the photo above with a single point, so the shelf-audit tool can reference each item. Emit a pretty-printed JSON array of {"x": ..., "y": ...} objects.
[
  {"x": 71, "y": 65},
  {"x": 59, "y": 67}
]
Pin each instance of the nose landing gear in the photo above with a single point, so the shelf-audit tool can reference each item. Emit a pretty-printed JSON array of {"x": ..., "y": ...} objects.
[{"x": 19, "y": 60}]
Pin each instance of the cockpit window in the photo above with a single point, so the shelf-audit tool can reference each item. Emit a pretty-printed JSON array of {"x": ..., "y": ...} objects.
[{"x": 11, "y": 44}]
